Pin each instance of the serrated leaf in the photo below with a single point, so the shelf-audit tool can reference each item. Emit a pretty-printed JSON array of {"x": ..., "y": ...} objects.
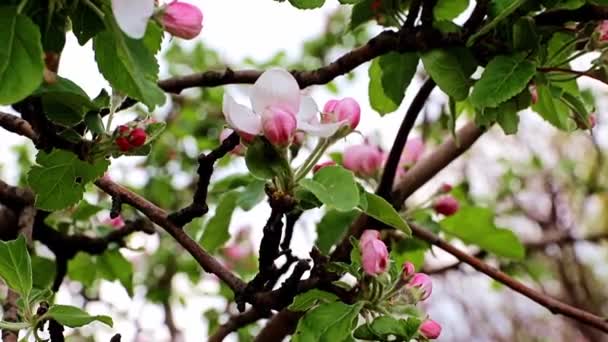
[
  {"x": 378, "y": 208},
  {"x": 475, "y": 225},
  {"x": 21, "y": 56},
  {"x": 449, "y": 9},
  {"x": 389, "y": 77},
  {"x": 335, "y": 187},
  {"x": 74, "y": 317},
  {"x": 450, "y": 69},
  {"x": 305, "y": 301},
  {"x": 264, "y": 161},
  {"x": 59, "y": 178},
  {"x": 503, "y": 78},
  {"x": 43, "y": 272},
  {"x": 64, "y": 102},
  {"x": 330, "y": 322},
  {"x": 85, "y": 23},
  {"x": 332, "y": 227},
  {"x": 128, "y": 64},
  {"x": 551, "y": 108},
  {"x": 216, "y": 232},
  {"x": 16, "y": 266}
]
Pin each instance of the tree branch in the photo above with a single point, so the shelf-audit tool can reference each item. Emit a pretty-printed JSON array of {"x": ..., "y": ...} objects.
[
  {"x": 236, "y": 322},
  {"x": 553, "y": 305},
  {"x": 10, "y": 315}
]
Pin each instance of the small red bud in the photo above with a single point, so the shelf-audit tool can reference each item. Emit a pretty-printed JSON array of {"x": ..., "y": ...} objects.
[
  {"x": 123, "y": 144},
  {"x": 137, "y": 137},
  {"x": 445, "y": 188}
]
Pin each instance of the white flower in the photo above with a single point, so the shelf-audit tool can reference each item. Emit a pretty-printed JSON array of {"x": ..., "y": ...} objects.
[
  {"x": 274, "y": 96},
  {"x": 132, "y": 16}
]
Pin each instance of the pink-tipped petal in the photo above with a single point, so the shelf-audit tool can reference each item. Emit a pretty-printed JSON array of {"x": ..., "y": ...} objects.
[
  {"x": 240, "y": 117},
  {"x": 182, "y": 20},
  {"x": 275, "y": 88},
  {"x": 132, "y": 16}
]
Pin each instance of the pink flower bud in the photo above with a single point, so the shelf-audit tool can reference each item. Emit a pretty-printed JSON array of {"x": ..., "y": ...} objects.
[
  {"x": 430, "y": 329},
  {"x": 413, "y": 150},
  {"x": 116, "y": 222},
  {"x": 364, "y": 160},
  {"x": 137, "y": 137},
  {"x": 446, "y": 205},
  {"x": 533, "y": 93},
  {"x": 422, "y": 283},
  {"x": 298, "y": 138},
  {"x": 407, "y": 271},
  {"x": 445, "y": 188},
  {"x": 239, "y": 150},
  {"x": 123, "y": 129},
  {"x": 319, "y": 166},
  {"x": 602, "y": 28},
  {"x": 374, "y": 254},
  {"x": 182, "y": 19},
  {"x": 346, "y": 109},
  {"x": 279, "y": 126},
  {"x": 123, "y": 144}
]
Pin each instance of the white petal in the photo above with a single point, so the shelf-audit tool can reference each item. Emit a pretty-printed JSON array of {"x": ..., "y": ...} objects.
[
  {"x": 308, "y": 110},
  {"x": 240, "y": 117},
  {"x": 320, "y": 130},
  {"x": 275, "y": 87},
  {"x": 132, "y": 16}
]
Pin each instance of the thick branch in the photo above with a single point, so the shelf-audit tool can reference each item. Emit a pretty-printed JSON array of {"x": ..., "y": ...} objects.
[
  {"x": 553, "y": 305},
  {"x": 236, "y": 322},
  {"x": 17, "y": 125},
  {"x": 10, "y": 315}
]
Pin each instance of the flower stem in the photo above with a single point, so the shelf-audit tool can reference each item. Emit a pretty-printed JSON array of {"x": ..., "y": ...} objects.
[
  {"x": 94, "y": 8},
  {"x": 312, "y": 159},
  {"x": 14, "y": 326}
]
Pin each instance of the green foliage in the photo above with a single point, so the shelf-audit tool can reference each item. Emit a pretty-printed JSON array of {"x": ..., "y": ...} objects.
[
  {"x": 74, "y": 317},
  {"x": 264, "y": 161},
  {"x": 305, "y": 301},
  {"x": 111, "y": 265},
  {"x": 389, "y": 77},
  {"x": 329, "y": 322},
  {"x": 64, "y": 102},
  {"x": 332, "y": 227},
  {"x": 307, "y": 4},
  {"x": 385, "y": 326},
  {"x": 59, "y": 178},
  {"x": 216, "y": 231},
  {"x": 503, "y": 78},
  {"x": 551, "y": 108},
  {"x": 85, "y": 23},
  {"x": 335, "y": 187},
  {"x": 475, "y": 225},
  {"x": 449, "y": 9},
  {"x": 128, "y": 64},
  {"x": 450, "y": 69},
  {"x": 21, "y": 63},
  {"x": 43, "y": 272},
  {"x": 16, "y": 266},
  {"x": 378, "y": 208}
]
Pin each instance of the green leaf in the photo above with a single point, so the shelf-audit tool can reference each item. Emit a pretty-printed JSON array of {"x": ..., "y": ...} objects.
[
  {"x": 329, "y": 322},
  {"x": 332, "y": 227},
  {"x": 450, "y": 69},
  {"x": 59, "y": 178},
  {"x": 112, "y": 265},
  {"x": 378, "y": 208},
  {"x": 64, "y": 102},
  {"x": 94, "y": 123},
  {"x": 216, "y": 232},
  {"x": 475, "y": 225},
  {"x": 83, "y": 268},
  {"x": 264, "y": 161},
  {"x": 21, "y": 56},
  {"x": 551, "y": 108},
  {"x": 85, "y": 23},
  {"x": 335, "y": 187},
  {"x": 361, "y": 13},
  {"x": 43, "y": 272},
  {"x": 305, "y": 301},
  {"x": 128, "y": 64},
  {"x": 16, "y": 266},
  {"x": 511, "y": 6},
  {"x": 503, "y": 78},
  {"x": 389, "y": 77},
  {"x": 385, "y": 326},
  {"x": 525, "y": 36},
  {"x": 307, "y": 4},
  {"x": 74, "y": 317},
  {"x": 251, "y": 195},
  {"x": 449, "y": 9}
]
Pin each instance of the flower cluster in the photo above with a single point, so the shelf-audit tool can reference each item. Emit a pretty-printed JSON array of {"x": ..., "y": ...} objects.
[
  {"x": 178, "y": 18},
  {"x": 128, "y": 138},
  {"x": 279, "y": 111},
  {"x": 410, "y": 288}
]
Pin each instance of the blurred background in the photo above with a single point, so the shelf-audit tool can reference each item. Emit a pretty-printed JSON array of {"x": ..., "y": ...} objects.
[{"x": 547, "y": 186}]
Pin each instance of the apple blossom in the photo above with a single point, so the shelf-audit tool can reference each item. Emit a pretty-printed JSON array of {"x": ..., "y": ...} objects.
[
  {"x": 422, "y": 282},
  {"x": 277, "y": 110},
  {"x": 446, "y": 205},
  {"x": 408, "y": 270},
  {"x": 346, "y": 110},
  {"x": 374, "y": 254},
  {"x": 182, "y": 19},
  {"x": 132, "y": 16},
  {"x": 364, "y": 160},
  {"x": 430, "y": 329},
  {"x": 116, "y": 222}
]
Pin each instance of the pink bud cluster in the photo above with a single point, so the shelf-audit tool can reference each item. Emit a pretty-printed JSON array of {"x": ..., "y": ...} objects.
[
  {"x": 130, "y": 138},
  {"x": 374, "y": 254},
  {"x": 602, "y": 29},
  {"x": 365, "y": 160},
  {"x": 421, "y": 285},
  {"x": 347, "y": 110},
  {"x": 446, "y": 205}
]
